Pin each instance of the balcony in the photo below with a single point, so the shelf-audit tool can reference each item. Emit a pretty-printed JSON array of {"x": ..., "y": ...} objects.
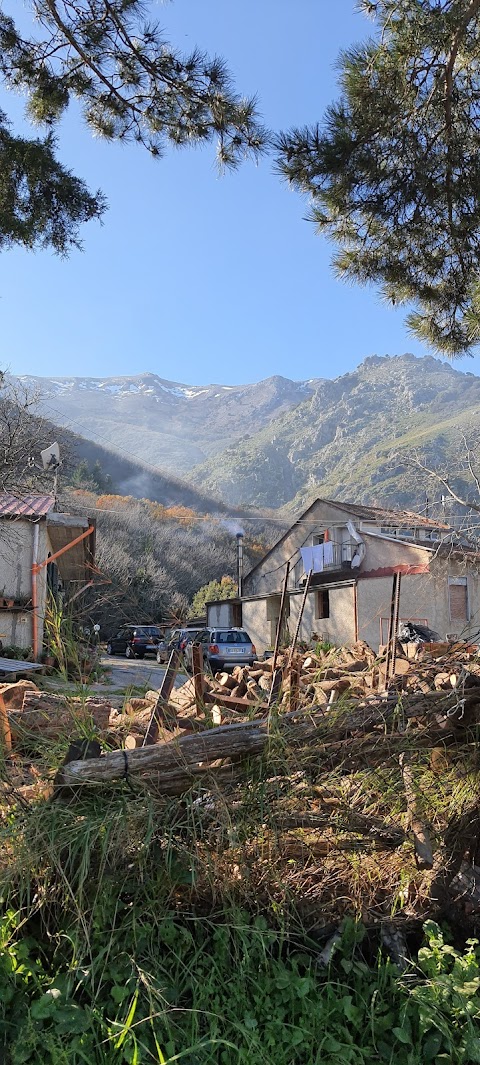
[{"x": 339, "y": 559}]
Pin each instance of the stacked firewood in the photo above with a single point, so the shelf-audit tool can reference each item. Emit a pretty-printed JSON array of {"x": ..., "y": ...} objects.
[
  {"x": 438, "y": 682},
  {"x": 351, "y": 761}
]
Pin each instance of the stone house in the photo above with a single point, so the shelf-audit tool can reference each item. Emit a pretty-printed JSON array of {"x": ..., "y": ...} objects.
[
  {"x": 40, "y": 549},
  {"x": 353, "y": 552}
]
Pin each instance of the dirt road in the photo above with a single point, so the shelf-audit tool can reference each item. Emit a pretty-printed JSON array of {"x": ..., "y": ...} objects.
[{"x": 135, "y": 672}]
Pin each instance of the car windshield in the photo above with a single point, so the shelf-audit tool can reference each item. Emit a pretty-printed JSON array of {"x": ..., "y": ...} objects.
[
  {"x": 229, "y": 636},
  {"x": 147, "y": 630}
]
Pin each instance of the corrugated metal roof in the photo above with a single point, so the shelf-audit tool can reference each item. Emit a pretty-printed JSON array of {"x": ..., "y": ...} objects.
[{"x": 27, "y": 506}]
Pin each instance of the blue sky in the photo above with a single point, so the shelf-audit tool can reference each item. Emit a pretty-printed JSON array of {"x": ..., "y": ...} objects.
[{"x": 193, "y": 276}]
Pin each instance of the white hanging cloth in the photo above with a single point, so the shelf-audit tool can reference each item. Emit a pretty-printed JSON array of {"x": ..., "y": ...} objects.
[
  {"x": 360, "y": 551},
  {"x": 313, "y": 558},
  {"x": 328, "y": 553}
]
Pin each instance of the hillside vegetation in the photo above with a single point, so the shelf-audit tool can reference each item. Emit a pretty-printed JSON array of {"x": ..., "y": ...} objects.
[
  {"x": 151, "y": 559},
  {"x": 345, "y": 439}
]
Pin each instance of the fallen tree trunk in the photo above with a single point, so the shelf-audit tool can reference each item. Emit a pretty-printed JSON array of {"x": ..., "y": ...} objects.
[
  {"x": 239, "y": 741},
  {"x": 226, "y": 741}
]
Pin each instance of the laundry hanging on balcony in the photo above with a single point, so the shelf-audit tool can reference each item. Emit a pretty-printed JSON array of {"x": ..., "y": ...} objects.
[
  {"x": 360, "y": 549},
  {"x": 313, "y": 558},
  {"x": 328, "y": 553}
]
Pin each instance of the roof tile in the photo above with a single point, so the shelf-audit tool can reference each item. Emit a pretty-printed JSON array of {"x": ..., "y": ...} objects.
[{"x": 27, "y": 506}]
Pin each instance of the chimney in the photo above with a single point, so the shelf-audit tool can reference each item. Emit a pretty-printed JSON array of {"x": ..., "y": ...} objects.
[{"x": 239, "y": 563}]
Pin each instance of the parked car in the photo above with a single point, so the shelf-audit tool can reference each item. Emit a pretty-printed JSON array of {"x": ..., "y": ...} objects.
[
  {"x": 223, "y": 648},
  {"x": 135, "y": 641},
  {"x": 162, "y": 650}
]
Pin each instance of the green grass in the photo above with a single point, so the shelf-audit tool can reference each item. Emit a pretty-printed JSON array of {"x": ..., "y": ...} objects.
[
  {"x": 119, "y": 942},
  {"x": 153, "y": 988},
  {"x": 139, "y": 928}
]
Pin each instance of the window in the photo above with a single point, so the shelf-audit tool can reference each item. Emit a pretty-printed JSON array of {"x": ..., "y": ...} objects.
[
  {"x": 322, "y": 604},
  {"x": 458, "y": 599},
  {"x": 229, "y": 636}
]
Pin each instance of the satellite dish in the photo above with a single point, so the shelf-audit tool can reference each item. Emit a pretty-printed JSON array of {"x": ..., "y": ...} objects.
[{"x": 50, "y": 457}]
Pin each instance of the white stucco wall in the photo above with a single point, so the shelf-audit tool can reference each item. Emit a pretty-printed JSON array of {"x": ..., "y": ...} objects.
[
  {"x": 338, "y": 628},
  {"x": 424, "y": 597},
  {"x": 254, "y": 620},
  {"x": 219, "y": 615}
]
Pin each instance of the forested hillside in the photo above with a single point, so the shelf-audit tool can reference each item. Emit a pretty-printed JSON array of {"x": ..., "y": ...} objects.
[{"x": 152, "y": 559}]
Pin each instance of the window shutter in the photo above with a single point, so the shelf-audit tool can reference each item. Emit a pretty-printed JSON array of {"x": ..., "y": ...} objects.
[{"x": 458, "y": 602}]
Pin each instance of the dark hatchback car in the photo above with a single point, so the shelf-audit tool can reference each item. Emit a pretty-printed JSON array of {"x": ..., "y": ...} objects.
[{"x": 135, "y": 641}]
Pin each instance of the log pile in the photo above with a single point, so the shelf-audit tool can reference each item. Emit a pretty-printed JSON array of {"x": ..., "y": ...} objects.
[{"x": 346, "y": 762}]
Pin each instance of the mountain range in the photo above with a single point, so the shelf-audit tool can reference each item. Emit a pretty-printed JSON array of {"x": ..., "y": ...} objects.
[
  {"x": 278, "y": 443},
  {"x": 169, "y": 425}
]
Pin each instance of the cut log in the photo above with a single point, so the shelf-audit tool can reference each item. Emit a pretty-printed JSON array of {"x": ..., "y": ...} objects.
[
  {"x": 12, "y": 694},
  {"x": 240, "y": 674},
  {"x": 340, "y": 685},
  {"x": 256, "y": 674},
  {"x": 442, "y": 680},
  {"x": 227, "y": 741},
  {"x": 134, "y": 706},
  {"x": 239, "y": 691},
  {"x": 226, "y": 680},
  {"x": 231, "y": 702},
  {"x": 159, "y": 708}
]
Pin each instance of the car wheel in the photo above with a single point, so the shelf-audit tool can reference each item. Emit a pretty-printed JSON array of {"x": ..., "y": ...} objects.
[
  {"x": 109, "y": 649},
  {"x": 129, "y": 652},
  {"x": 160, "y": 658}
]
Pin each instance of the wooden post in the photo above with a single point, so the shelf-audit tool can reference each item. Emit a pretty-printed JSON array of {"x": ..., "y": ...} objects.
[
  {"x": 299, "y": 619},
  {"x": 158, "y": 712},
  {"x": 421, "y": 838},
  {"x": 198, "y": 681},
  {"x": 276, "y": 685},
  {"x": 294, "y": 684},
  {"x": 5, "y": 734},
  {"x": 396, "y": 618},
  {"x": 391, "y": 629},
  {"x": 280, "y": 619}
]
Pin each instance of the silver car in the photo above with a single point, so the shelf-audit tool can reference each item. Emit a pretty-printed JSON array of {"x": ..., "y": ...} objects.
[{"x": 223, "y": 648}]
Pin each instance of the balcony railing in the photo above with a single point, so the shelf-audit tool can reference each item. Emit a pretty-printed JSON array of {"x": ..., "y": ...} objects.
[{"x": 341, "y": 559}]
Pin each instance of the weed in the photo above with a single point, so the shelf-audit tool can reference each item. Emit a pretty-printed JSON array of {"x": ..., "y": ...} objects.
[{"x": 166, "y": 989}]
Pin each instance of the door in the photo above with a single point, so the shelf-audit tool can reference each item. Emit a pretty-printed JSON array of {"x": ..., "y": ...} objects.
[{"x": 119, "y": 642}]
